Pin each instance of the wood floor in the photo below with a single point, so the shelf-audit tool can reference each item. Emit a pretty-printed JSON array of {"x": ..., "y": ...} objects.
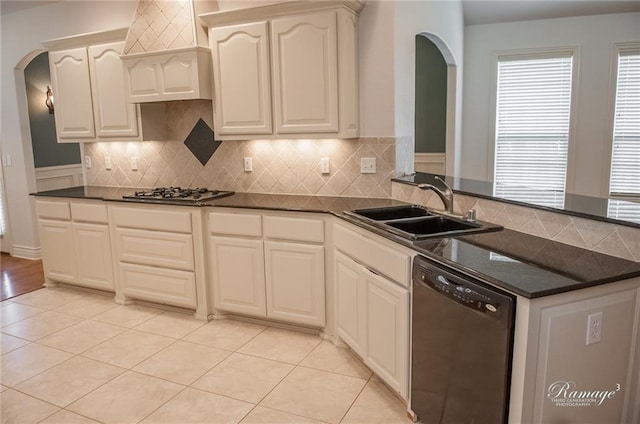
[{"x": 19, "y": 276}]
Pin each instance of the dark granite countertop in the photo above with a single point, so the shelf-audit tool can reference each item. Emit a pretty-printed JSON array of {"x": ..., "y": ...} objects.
[{"x": 523, "y": 264}]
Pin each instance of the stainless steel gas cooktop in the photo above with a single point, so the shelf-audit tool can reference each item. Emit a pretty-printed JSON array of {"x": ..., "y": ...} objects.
[{"x": 176, "y": 194}]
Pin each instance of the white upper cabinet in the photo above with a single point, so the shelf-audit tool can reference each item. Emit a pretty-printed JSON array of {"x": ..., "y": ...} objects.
[
  {"x": 113, "y": 116},
  {"x": 242, "y": 79},
  {"x": 286, "y": 70},
  {"x": 305, "y": 69},
  {"x": 180, "y": 74},
  {"x": 88, "y": 84},
  {"x": 72, "y": 94}
]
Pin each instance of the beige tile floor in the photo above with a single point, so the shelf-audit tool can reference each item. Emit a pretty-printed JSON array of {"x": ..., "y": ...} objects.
[{"x": 74, "y": 357}]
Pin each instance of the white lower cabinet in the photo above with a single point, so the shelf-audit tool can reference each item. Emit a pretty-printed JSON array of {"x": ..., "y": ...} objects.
[
  {"x": 387, "y": 328},
  {"x": 238, "y": 275},
  {"x": 372, "y": 311},
  {"x": 268, "y": 266},
  {"x": 93, "y": 251},
  {"x": 75, "y": 243},
  {"x": 56, "y": 243},
  {"x": 159, "y": 255},
  {"x": 295, "y": 282}
]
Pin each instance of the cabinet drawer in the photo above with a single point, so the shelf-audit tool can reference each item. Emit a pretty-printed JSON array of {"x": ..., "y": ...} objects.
[
  {"x": 175, "y": 221},
  {"x": 87, "y": 212},
  {"x": 167, "y": 286},
  {"x": 154, "y": 248},
  {"x": 53, "y": 210},
  {"x": 301, "y": 229},
  {"x": 390, "y": 262},
  {"x": 235, "y": 224}
]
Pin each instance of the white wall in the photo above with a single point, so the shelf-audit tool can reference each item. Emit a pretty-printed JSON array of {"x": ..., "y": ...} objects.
[
  {"x": 445, "y": 20},
  {"x": 21, "y": 34},
  {"x": 595, "y": 35}
]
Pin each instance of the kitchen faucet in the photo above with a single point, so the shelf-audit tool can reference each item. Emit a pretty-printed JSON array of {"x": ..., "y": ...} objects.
[{"x": 445, "y": 195}]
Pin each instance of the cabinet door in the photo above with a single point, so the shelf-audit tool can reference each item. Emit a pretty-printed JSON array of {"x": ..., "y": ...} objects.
[
  {"x": 305, "y": 73},
  {"x": 58, "y": 258},
  {"x": 72, "y": 94},
  {"x": 238, "y": 275},
  {"x": 351, "y": 313},
  {"x": 114, "y": 117},
  {"x": 93, "y": 253},
  {"x": 241, "y": 79},
  {"x": 387, "y": 352},
  {"x": 295, "y": 282}
]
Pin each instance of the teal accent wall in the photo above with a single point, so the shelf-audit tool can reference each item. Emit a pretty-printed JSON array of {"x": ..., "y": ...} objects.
[
  {"x": 46, "y": 150},
  {"x": 431, "y": 98}
]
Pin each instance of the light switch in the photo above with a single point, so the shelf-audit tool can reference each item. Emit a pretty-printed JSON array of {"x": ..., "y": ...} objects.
[
  {"x": 368, "y": 165},
  {"x": 324, "y": 166},
  {"x": 248, "y": 164},
  {"x": 134, "y": 163},
  {"x": 107, "y": 163},
  {"x": 87, "y": 162}
]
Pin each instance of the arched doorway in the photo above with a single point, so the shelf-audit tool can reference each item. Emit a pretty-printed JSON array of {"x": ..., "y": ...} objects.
[{"x": 435, "y": 105}]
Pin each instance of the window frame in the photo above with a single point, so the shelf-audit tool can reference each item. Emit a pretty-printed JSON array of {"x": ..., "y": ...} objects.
[
  {"x": 633, "y": 46},
  {"x": 536, "y": 53}
]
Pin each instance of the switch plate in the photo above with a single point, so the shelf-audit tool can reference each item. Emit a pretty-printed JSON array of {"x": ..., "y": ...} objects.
[
  {"x": 134, "y": 163},
  {"x": 324, "y": 166},
  {"x": 248, "y": 164},
  {"x": 368, "y": 165},
  {"x": 6, "y": 160},
  {"x": 87, "y": 162},
  {"x": 107, "y": 163},
  {"x": 594, "y": 328}
]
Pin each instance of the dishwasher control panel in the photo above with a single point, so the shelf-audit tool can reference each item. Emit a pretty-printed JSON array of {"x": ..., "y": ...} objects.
[{"x": 462, "y": 289}]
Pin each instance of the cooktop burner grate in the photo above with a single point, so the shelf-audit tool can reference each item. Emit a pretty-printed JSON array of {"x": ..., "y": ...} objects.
[{"x": 177, "y": 194}]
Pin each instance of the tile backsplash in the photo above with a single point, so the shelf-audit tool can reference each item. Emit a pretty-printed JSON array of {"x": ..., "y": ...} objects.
[
  {"x": 604, "y": 237},
  {"x": 279, "y": 166}
]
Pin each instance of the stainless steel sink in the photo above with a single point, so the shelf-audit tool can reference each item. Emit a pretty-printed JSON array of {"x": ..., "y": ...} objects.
[{"x": 415, "y": 222}]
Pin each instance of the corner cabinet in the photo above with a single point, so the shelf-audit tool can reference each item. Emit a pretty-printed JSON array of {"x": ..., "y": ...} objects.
[
  {"x": 372, "y": 280},
  {"x": 87, "y": 79},
  {"x": 286, "y": 70}
]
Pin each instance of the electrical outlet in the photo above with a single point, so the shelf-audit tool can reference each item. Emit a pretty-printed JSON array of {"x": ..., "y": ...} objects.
[
  {"x": 107, "y": 163},
  {"x": 324, "y": 166},
  {"x": 87, "y": 162},
  {"x": 368, "y": 165},
  {"x": 134, "y": 163},
  {"x": 594, "y": 328},
  {"x": 248, "y": 164}
]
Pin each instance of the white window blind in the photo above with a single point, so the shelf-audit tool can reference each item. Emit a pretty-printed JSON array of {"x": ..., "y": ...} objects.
[
  {"x": 533, "y": 105},
  {"x": 625, "y": 159},
  {"x": 624, "y": 182}
]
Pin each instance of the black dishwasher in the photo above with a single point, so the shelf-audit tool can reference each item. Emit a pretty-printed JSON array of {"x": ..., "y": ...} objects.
[{"x": 462, "y": 343}]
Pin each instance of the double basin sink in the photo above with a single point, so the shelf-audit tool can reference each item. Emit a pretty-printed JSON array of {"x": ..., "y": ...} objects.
[{"x": 415, "y": 222}]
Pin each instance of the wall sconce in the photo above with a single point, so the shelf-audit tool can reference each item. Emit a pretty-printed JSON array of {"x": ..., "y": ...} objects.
[{"x": 49, "y": 101}]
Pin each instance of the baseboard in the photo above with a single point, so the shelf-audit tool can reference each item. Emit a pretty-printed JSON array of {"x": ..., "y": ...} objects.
[{"x": 26, "y": 252}]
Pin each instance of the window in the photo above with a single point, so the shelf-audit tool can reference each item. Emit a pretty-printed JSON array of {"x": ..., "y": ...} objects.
[
  {"x": 533, "y": 108},
  {"x": 625, "y": 158},
  {"x": 624, "y": 182}
]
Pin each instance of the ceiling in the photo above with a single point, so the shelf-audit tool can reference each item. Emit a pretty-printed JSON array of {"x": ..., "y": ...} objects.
[
  {"x": 477, "y": 12},
  {"x": 10, "y": 6}
]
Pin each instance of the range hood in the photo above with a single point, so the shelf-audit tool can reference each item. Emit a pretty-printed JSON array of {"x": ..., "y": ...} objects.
[{"x": 166, "y": 54}]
